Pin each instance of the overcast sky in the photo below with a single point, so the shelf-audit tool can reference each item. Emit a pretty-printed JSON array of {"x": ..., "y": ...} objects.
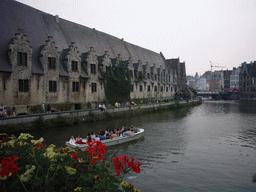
[{"x": 196, "y": 31}]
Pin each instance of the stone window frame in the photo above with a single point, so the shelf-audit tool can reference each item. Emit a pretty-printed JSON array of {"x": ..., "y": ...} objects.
[
  {"x": 52, "y": 86},
  {"x": 93, "y": 68},
  {"x": 141, "y": 88},
  {"x": 75, "y": 86},
  {"x": 74, "y": 66},
  {"x": 94, "y": 87},
  {"x": 22, "y": 58},
  {"x": 51, "y": 62},
  {"x": 23, "y": 85}
]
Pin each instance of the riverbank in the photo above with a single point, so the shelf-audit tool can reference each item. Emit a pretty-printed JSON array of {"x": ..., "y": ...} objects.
[{"x": 62, "y": 119}]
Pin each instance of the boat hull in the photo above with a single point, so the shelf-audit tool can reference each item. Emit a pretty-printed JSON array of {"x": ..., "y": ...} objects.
[{"x": 111, "y": 142}]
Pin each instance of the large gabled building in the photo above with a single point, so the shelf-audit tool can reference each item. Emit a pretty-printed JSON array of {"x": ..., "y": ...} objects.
[
  {"x": 247, "y": 81},
  {"x": 44, "y": 58}
]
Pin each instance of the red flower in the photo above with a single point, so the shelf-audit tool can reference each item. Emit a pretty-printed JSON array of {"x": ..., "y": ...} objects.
[
  {"x": 95, "y": 151},
  {"x": 74, "y": 156},
  {"x": 125, "y": 164},
  {"x": 9, "y": 166},
  {"x": 40, "y": 145}
]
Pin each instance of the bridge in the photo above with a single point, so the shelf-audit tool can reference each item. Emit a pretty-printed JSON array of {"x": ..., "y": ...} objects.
[{"x": 220, "y": 95}]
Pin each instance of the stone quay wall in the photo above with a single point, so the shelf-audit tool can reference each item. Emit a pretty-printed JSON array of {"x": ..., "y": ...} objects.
[{"x": 83, "y": 113}]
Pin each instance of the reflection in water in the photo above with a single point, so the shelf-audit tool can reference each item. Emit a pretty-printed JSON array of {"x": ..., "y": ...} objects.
[{"x": 211, "y": 147}]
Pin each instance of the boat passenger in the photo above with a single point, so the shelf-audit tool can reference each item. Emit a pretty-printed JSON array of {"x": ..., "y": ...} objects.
[
  {"x": 89, "y": 140},
  {"x": 78, "y": 138},
  {"x": 107, "y": 131},
  {"x": 93, "y": 136},
  {"x": 114, "y": 135},
  {"x": 128, "y": 132},
  {"x": 108, "y": 136},
  {"x": 102, "y": 137},
  {"x": 118, "y": 132},
  {"x": 72, "y": 140},
  {"x": 97, "y": 138},
  {"x": 134, "y": 129}
]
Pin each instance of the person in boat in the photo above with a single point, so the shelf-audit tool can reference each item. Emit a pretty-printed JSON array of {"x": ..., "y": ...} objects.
[
  {"x": 134, "y": 129},
  {"x": 72, "y": 140},
  {"x": 118, "y": 132},
  {"x": 78, "y": 138},
  {"x": 106, "y": 132},
  {"x": 128, "y": 132},
  {"x": 102, "y": 137},
  {"x": 97, "y": 138},
  {"x": 89, "y": 140},
  {"x": 88, "y": 136},
  {"x": 108, "y": 136},
  {"x": 114, "y": 135},
  {"x": 93, "y": 136}
]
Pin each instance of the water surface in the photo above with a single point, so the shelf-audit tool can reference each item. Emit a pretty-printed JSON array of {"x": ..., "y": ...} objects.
[{"x": 211, "y": 147}]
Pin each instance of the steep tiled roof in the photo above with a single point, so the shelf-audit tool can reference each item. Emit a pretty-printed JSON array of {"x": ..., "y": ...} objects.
[
  {"x": 14, "y": 16},
  {"x": 38, "y": 26}
]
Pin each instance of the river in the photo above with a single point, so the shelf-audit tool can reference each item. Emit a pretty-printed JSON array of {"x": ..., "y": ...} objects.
[{"x": 210, "y": 147}]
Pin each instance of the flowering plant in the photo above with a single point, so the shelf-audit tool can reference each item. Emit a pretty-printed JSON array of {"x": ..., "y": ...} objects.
[{"x": 29, "y": 165}]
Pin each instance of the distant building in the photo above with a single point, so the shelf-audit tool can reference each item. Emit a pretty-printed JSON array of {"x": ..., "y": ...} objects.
[
  {"x": 181, "y": 72},
  {"x": 202, "y": 84},
  {"x": 226, "y": 74},
  {"x": 247, "y": 81},
  {"x": 234, "y": 78},
  {"x": 191, "y": 82},
  {"x": 215, "y": 80}
]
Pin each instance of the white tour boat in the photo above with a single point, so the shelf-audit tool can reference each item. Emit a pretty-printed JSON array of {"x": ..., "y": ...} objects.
[{"x": 111, "y": 142}]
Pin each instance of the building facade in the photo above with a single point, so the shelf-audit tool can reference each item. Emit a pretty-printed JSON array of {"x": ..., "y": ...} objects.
[
  {"x": 247, "y": 81},
  {"x": 234, "y": 78},
  {"x": 45, "y": 59}
]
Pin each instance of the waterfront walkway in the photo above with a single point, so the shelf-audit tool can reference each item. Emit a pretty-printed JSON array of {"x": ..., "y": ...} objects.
[{"x": 81, "y": 113}]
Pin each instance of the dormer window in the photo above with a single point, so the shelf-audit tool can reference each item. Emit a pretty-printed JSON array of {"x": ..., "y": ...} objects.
[
  {"x": 74, "y": 66},
  {"x": 51, "y": 62},
  {"x": 22, "y": 58},
  {"x": 93, "y": 68}
]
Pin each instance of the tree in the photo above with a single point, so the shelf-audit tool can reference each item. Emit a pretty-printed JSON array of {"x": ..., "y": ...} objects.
[{"x": 117, "y": 84}]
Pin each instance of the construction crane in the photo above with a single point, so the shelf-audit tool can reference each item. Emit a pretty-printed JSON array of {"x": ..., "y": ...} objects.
[{"x": 211, "y": 63}]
